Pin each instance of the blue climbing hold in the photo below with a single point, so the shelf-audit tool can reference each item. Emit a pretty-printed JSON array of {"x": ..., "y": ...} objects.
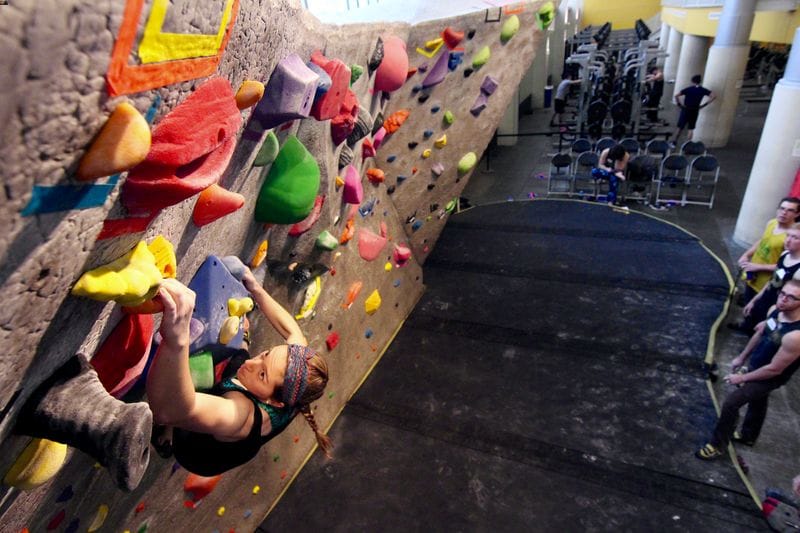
[
  {"x": 391, "y": 158},
  {"x": 427, "y": 134},
  {"x": 368, "y": 333}
]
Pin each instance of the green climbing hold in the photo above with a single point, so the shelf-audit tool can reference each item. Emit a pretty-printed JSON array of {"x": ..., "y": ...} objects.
[
  {"x": 449, "y": 118},
  {"x": 326, "y": 241},
  {"x": 268, "y": 151},
  {"x": 509, "y": 29},
  {"x": 201, "y": 368},
  {"x": 288, "y": 194},
  {"x": 481, "y": 57},
  {"x": 451, "y": 205},
  {"x": 355, "y": 72},
  {"x": 466, "y": 163},
  {"x": 545, "y": 15}
]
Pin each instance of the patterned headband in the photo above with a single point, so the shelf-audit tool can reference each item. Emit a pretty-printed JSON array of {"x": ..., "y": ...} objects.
[{"x": 296, "y": 379}]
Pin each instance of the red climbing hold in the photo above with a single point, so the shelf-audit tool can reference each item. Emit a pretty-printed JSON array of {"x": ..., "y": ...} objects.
[
  {"x": 56, "y": 520},
  {"x": 214, "y": 203},
  {"x": 367, "y": 150},
  {"x": 326, "y": 106},
  {"x": 121, "y": 359},
  {"x": 200, "y": 486},
  {"x": 452, "y": 37},
  {"x": 305, "y": 224},
  {"x": 342, "y": 125},
  {"x": 332, "y": 340}
]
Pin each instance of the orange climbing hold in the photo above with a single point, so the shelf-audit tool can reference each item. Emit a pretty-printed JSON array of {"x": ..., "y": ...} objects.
[
  {"x": 260, "y": 254},
  {"x": 249, "y": 93},
  {"x": 200, "y": 486},
  {"x": 122, "y": 144},
  {"x": 395, "y": 120},
  {"x": 214, "y": 203},
  {"x": 348, "y": 232},
  {"x": 376, "y": 175},
  {"x": 352, "y": 294}
]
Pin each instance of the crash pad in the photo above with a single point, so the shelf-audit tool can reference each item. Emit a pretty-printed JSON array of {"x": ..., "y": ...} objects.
[{"x": 288, "y": 193}]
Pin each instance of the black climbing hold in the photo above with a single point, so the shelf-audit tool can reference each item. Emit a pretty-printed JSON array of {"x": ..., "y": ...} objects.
[
  {"x": 413, "y": 144},
  {"x": 468, "y": 72},
  {"x": 422, "y": 98},
  {"x": 470, "y": 34}
]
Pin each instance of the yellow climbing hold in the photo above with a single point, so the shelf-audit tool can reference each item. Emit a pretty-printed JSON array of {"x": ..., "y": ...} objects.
[
  {"x": 441, "y": 142},
  {"x": 426, "y": 153},
  {"x": 38, "y": 462},
  {"x": 240, "y": 307},
  {"x": 122, "y": 144},
  {"x": 310, "y": 301},
  {"x": 249, "y": 93},
  {"x": 130, "y": 280},
  {"x": 387, "y": 267},
  {"x": 373, "y": 302},
  {"x": 221, "y": 511},
  {"x": 339, "y": 182},
  {"x": 481, "y": 57},
  {"x": 99, "y": 518},
  {"x": 467, "y": 162},
  {"x": 433, "y": 43},
  {"x": 229, "y": 329},
  {"x": 509, "y": 29},
  {"x": 260, "y": 254},
  {"x": 164, "y": 255},
  {"x": 256, "y": 489}
]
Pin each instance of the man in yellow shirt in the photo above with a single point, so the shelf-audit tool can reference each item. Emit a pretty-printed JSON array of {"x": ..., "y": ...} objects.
[{"x": 758, "y": 262}]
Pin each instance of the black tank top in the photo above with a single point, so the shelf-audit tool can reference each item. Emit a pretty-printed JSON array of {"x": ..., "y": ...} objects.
[
  {"x": 770, "y": 343},
  {"x": 782, "y": 273}
]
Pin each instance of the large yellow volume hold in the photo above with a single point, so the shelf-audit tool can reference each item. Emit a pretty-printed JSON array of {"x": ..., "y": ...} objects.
[
  {"x": 130, "y": 280},
  {"x": 240, "y": 307},
  {"x": 373, "y": 302},
  {"x": 122, "y": 144},
  {"x": 37, "y": 463},
  {"x": 164, "y": 255}
]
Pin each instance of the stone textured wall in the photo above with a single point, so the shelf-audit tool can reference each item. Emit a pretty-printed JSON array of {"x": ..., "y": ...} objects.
[{"x": 54, "y": 100}]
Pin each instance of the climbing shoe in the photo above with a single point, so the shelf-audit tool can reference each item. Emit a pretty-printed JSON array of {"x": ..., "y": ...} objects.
[
  {"x": 708, "y": 452},
  {"x": 738, "y": 437}
]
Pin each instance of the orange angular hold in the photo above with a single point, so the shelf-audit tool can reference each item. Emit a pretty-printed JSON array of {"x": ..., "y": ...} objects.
[
  {"x": 367, "y": 149},
  {"x": 452, "y": 37},
  {"x": 352, "y": 294},
  {"x": 249, "y": 93},
  {"x": 122, "y": 144},
  {"x": 349, "y": 231},
  {"x": 411, "y": 72},
  {"x": 215, "y": 202},
  {"x": 395, "y": 120},
  {"x": 260, "y": 254},
  {"x": 376, "y": 175},
  {"x": 200, "y": 486}
]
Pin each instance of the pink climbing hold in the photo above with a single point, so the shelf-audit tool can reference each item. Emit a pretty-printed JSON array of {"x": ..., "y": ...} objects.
[
  {"x": 401, "y": 254},
  {"x": 437, "y": 169},
  {"x": 122, "y": 357},
  {"x": 327, "y": 105},
  {"x": 439, "y": 70},
  {"x": 289, "y": 93},
  {"x": 393, "y": 70},
  {"x": 371, "y": 245},
  {"x": 353, "y": 192},
  {"x": 367, "y": 149},
  {"x": 342, "y": 125},
  {"x": 377, "y": 139}
]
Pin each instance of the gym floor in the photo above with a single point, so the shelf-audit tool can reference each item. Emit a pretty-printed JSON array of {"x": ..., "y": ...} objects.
[{"x": 414, "y": 452}]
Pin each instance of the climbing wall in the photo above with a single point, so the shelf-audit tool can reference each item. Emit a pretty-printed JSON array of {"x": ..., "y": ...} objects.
[{"x": 148, "y": 64}]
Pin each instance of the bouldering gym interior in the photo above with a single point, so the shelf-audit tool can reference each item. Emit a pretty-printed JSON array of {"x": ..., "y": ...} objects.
[{"x": 431, "y": 266}]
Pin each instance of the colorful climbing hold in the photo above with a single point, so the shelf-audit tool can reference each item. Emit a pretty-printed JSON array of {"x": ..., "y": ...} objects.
[
  {"x": 122, "y": 357},
  {"x": 353, "y": 192},
  {"x": 437, "y": 169},
  {"x": 99, "y": 518},
  {"x": 56, "y": 520},
  {"x": 481, "y": 57},
  {"x": 249, "y": 93},
  {"x": 441, "y": 142},
  {"x": 375, "y": 175},
  {"x": 454, "y": 60},
  {"x": 344, "y": 122},
  {"x": 215, "y": 203},
  {"x": 305, "y": 224},
  {"x": 489, "y": 85},
  {"x": 326, "y": 241},
  {"x": 332, "y": 340},
  {"x": 289, "y": 93},
  {"x": 289, "y": 192},
  {"x": 377, "y": 138},
  {"x": 439, "y": 70},
  {"x": 387, "y": 267},
  {"x": 313, "y": 292},
  {"x": 479, "y": 105},
  {"x": 367, "y": 149},
  {"x": 509, "y": 29},
  {"x": 260, "y": 255},
  {"x": 238, "y": 307},
  {"x": 200, "y": 486},
  {"x": 268, "y": 151},
  {"x": 452, "y": 37},
  {"x": 372, "y": 303},
  {"x": 370, "y": 245},
  {"x": 327, "y": 106},
  {"x": 467, "y": 162},
  {"x": 545, "y": 15},
  {"x": 426, "y": 153},
  {"x": 448, "y": 117},
  {"x": 395, "y": 120},
  {"x": 122, "y": 143},
  {"x": 352, "y": 294},
  {"x": 355, "y": 72},
  {"x": 221, "y": 511},
  {"x": 38, "y": 463},
  {"x": 392, "y": 72},
  {"x": 401, "y": 254},
  {"x": 348, "y": 231}
]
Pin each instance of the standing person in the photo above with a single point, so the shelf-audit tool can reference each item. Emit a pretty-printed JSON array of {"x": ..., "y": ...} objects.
[
  {"x": 560, "y": 101},
  {"x": 786, "y": 268},
  {"x": 759, "y": 261},
  {"x": 612, "y": 165},
  {"x": 254, "y": 402},
  {"x": 692, "y": 104},
  {"x": 774, "y": 352},
  {"x": 655, "y": 80}
]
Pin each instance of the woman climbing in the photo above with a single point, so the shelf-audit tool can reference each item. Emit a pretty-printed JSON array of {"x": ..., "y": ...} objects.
[
  {"x": 612, "y": 165},
  {"x": 256, "y": 399}
]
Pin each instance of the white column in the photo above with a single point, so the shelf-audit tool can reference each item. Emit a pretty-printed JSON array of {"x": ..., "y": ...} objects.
[
  {"x": 674, "y": 52},
  {"x": 539, "y": 74},
  {"x": 663, "y": 36},
  {"x": 725, "y": 68},
  {"x": 510, "y": 122},
  {"x": 778, "y": 155},
  {"x": 692, "y": 60},
  {"x": 555, "y": 64}
]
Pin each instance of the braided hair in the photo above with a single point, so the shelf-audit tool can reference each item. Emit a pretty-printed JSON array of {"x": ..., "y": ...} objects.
[{"x": 317, "y": 380}]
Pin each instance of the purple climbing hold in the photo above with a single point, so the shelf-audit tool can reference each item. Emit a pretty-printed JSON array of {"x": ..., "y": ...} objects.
[
  {"x": 324, "y": 79},
  {"x": 489, "y": 85},
  {"x": 438, "y": 72},
  {"x": 65, "y": 495},
  {"x": 289, "y": 93},
  {"x": 422, "y": 68},
  {"x": 479, "y": 105},
  {"x": 437, "y": 169}
]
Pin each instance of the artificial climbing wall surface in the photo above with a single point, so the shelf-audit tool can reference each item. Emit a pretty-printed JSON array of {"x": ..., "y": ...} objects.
[{"x": 62, "y": 62}]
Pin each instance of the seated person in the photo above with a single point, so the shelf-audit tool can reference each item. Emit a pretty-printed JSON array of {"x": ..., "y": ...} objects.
[
  {"x": 256, "y": 399},
  {"x": 612, "y": 165}
]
